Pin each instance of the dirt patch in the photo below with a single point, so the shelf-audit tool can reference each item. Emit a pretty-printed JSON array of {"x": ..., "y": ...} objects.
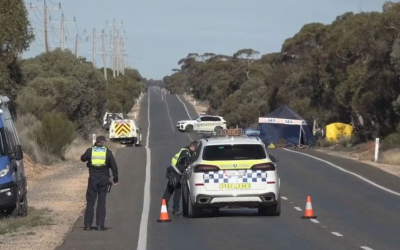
[
  {"x": 200, "y": 107},
  {"x": 134, "y": 113},
  {"x": 62, "y": 196}
]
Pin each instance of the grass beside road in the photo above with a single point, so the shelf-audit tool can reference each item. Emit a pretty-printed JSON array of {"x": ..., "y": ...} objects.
[{"x": 36, "y": 217}]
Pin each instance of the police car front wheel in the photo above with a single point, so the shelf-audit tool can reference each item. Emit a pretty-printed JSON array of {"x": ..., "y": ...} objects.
[{"x": 189, "y": 128}]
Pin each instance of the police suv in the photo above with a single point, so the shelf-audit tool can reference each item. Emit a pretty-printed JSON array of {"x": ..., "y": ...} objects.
[
  {"x": 231, "y": 172},
  {"x": 202, "y": 123}
]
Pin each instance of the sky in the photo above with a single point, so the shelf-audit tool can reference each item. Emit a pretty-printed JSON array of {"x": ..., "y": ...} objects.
[{"x": 159, "y": 33}]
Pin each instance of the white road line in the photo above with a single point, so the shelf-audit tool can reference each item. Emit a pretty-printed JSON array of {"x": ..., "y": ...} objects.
[
  {"x": 337, "y": 234},
  {"x": 172, "y": 124},
  {"x": 284, "y": 198},
  {"x": 298, "y": 209},
  {"x": 346, "y": 171},
  {"x": 142, "y": 240},
  {"x": 314, "y": 220},
  {"x": 187, "y": 112},
  {"x": 189, "y": 137},
  {"x": 367, "y": 248}
]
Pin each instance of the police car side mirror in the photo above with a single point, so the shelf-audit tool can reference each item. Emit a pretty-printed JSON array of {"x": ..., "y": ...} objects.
[
  {"x": 19, "y": 155},
  {"x": 273, "y": 158}
]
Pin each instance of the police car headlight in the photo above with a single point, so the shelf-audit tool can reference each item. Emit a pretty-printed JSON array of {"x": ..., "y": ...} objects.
[{"x": 4, "y": 171}]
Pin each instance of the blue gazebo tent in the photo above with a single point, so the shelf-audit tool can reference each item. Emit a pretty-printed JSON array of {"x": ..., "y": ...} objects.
[{"x": 284, "y": 123}]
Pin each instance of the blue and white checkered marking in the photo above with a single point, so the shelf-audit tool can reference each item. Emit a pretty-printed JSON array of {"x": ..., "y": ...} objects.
[{"x": 250, "y": 176}]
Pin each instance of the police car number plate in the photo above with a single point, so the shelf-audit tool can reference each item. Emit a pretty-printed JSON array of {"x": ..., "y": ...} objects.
[{"x": 234, "y": 173}]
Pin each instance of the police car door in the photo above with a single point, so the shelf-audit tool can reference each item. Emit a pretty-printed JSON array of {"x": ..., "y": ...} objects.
[
  {"x": 205, "y": 124},
  {"x": 216, "y": 122}
]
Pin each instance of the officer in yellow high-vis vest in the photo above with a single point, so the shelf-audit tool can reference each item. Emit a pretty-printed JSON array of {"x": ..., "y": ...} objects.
[
  {"x": 99, "y": 161},
  {"x": 174, "y": 174}
]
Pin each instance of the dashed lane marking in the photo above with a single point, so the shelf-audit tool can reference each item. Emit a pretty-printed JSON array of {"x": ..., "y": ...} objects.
[
  {"x": 346, "y": 171},
  {"x": 337, "y": 234},
  {"x": 367, "y": 248},
  {"x": 314, "y": 220},
  {"x": 284, "y": 198},
  {"x": 169, "y": 115},
  {"x": 298, "y": 209}
]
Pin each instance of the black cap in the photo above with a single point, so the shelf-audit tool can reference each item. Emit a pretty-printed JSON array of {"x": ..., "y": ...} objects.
[{"x": 100, "y": 139}]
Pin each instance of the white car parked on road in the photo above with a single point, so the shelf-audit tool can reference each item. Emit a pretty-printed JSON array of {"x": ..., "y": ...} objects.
[{"x": 202, "y": 123}]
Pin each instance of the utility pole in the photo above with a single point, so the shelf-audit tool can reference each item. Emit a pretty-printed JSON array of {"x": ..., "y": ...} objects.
[
  {"x": 45, "y": 21},
  {"x": 94, "y": 47},
  {"x": 76, "y": 45},
  {"x": 114, "y": 49},
  {"x": 46, "y": 32},
  {"x": 62, "y": 35},
  {"x": 103, "y": 46},
  {"x": 117, "y": 53}
]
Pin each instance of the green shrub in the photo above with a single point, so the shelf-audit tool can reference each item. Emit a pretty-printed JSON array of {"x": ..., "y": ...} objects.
[
  {"x": 55, "y": 134},
  {"x": 391, "y": 141},
  {"x": 29, "y": 102}
]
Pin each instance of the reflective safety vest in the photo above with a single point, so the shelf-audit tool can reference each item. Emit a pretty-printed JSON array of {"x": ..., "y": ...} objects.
[
  {"x": 175, "y": 159},
  {"x": 99, "y": 156}
]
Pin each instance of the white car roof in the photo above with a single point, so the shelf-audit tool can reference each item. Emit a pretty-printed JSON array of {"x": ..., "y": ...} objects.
[{"x": 231, "y": 140}]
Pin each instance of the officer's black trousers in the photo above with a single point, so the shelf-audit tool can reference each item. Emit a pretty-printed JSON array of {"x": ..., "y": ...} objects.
[
  {"x": 97, "y": 188},
  {"x": 177, "y": 191}
]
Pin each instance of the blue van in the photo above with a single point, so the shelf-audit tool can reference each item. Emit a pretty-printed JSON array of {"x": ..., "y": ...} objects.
[{"x": 13, "y": 185}]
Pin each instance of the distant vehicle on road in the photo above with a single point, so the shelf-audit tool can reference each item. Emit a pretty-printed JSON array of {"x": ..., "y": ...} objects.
[
  {"x": 202, "y": 123},
  {"x": 126, "y": 132},
  {"x": 108, "y": 117},
  {"x": 13, "y": 184},
  {"x": 231, "y": 172}
]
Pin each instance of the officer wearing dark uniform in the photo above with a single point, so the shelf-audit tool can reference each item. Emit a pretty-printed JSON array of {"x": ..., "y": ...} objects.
[
  {"x": 174, "y": 173},
  {"x": 99, "y": 161}
]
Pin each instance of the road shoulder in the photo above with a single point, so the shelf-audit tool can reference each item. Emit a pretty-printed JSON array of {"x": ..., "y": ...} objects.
[{"x": 372, "y": 173}]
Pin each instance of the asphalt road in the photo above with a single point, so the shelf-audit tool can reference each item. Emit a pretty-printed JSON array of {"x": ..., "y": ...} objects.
[{"x": 352, "y": 213}]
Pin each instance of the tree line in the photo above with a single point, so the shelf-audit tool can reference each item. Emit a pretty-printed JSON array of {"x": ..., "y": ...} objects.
[
  {"x": 55, "y": 96},
  {"x": 347, "y": 71}
]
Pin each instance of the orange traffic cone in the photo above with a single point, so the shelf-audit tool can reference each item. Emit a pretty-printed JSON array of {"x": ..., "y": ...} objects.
[
  {"x": 164, "y": 217},
  {"x": 309, "y": 214}
]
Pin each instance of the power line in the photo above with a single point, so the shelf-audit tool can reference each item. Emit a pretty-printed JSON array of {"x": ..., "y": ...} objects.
[{"x": 45, "y": 21}]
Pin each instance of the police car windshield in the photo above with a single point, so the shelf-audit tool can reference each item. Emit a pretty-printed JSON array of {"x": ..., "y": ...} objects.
[{"x": 233, "y": 152}]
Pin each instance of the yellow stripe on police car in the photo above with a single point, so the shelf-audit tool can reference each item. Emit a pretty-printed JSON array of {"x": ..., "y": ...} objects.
[{"x": 235, "y": 186}]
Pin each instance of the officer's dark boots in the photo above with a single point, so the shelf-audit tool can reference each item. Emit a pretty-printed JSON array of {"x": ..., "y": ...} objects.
[
  {"x": 101, "y": 228},
  {"x": 87, "y": 228}
]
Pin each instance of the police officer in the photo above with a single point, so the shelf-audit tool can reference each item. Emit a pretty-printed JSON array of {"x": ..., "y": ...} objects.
[
  {"x": 99, "y": 161},
  {"x": 174, "y": 173}
]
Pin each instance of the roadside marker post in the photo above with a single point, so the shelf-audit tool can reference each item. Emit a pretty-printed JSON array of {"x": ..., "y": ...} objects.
[
  {"x": 94, "y": 138},
  {"x": 376, "y": 150}
]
